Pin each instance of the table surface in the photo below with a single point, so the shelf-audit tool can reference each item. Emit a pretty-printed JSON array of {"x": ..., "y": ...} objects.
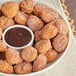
[
  {"x": 71, "y": 5},
  {"x": 67, "y": 66}
]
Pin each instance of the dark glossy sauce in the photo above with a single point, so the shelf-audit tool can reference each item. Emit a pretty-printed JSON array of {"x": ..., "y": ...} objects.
[{"x": 18, "y": 37}]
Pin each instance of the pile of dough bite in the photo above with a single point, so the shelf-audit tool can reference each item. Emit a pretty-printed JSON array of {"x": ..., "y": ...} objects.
[{"x": 50, "y": 31}]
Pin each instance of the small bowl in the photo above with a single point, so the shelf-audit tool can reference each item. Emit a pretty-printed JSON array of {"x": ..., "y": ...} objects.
[{"x": 20, "y": 26}]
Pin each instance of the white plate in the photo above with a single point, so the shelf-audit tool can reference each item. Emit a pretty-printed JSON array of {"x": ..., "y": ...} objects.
[{"x": 50, "y": 65}]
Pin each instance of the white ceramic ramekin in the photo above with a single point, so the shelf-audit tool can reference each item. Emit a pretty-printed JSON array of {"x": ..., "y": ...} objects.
[
  {"x": 51, "y": 4},
  {"x": 20, "y": 26}
]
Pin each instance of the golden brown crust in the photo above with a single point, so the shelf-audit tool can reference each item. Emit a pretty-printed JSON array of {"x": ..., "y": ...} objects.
[
  {"x": 23, "y": 68},
  {"x": 10, "y": 8},
  {"x": 6, "y": 22},
  {"x": 60, "y": 43},
  {"x": 27, "y": 6},
  {"x": 3, "y": 47},
  {"x": 51, "y": 55},
  {"x": 43, "y": 46},
  {"x": 40, "y": 62},
  {"x": 49, "y": 15},
  {"x": 46, "y": 13},
  {"x": 49, "y": 31},
  {"x": 29, "y": 54},
  {"x": 38, "y": 8},
  {"x": 13, "y": 56},
  {"x": 61, "y": 25},
  {"x": 5, "y": 67},
  {"x": 35, "y": 23},
  {"x": 21, "y": 18}
]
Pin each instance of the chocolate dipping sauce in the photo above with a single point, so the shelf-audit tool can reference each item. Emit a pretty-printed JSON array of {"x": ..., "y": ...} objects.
[{"x": 18, "y": 37}]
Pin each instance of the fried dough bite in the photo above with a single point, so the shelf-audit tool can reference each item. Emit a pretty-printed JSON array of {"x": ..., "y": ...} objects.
[
  {"x": 61, "y": 25},
  {"x": 38, "y": 8},
  {"x": 27, "y": 6},
  {"x": 5, "y": 67},
  {"x": 40, "y": 62},
  {"x": 0, "y": 33},
  {"x": 43, "y": 46},
  {"x": 6, "y": 22},
  {"x": 3, "y": 47},
  {"x": 37, "y": 35},
  {"x": 49, "y": 31},
  {"x": 29, "y": 54},
  {"x": 10, "y": 8},
  {"x": 46, "y": 13},
  {"x": 23, "y": 68},
  {"x": 34, "y": 23},
  {"x": 21, "y": 18},
  {"x": 51, "y": 55},
  {"x": 49, "y": 15},
  {"x": 13, "y": 56},
  {"x": 60, "y": 42}
]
